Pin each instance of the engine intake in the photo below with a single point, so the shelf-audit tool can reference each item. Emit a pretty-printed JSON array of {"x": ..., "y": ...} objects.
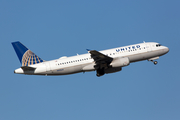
[
  {"x": 117, "y": 64},
  {"x": 120, "y": 62}
]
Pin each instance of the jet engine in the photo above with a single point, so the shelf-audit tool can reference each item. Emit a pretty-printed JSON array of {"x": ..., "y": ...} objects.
[
  {"x": 120, "y": 62},
  {"x": 112, "y": 70},
  {"x": 117, "y": 64}
]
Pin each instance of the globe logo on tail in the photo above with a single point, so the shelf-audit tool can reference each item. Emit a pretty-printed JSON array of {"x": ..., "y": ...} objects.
[{"x": 29, "y": 58}]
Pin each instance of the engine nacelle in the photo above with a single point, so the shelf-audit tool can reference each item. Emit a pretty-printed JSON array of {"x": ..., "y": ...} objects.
[
  {"x": 117, "y": 64},
  {"x": 120, "y": 62},
  {"x": 113, "y": 69}
]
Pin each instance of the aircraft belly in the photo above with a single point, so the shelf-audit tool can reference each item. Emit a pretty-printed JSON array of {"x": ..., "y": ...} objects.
[{"x": 67, "y": 70}]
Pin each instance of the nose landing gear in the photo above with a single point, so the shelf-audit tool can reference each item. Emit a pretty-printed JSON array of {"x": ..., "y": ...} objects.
[
  {"x": 152, "y": 60},
  {"x": 155, "y": 62}
]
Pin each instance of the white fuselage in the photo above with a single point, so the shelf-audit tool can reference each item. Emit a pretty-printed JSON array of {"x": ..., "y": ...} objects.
[{"x": 84, "y": 62}]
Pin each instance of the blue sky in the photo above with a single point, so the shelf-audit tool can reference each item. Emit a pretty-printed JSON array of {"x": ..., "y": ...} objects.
[{"x": 51, "y": 29}]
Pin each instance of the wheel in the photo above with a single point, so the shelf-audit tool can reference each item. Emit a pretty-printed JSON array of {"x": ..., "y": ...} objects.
[
  {"x": 100, "y": 72},
  {"x": 155, "y": 62},
  {"x": 98, "y": 75}
]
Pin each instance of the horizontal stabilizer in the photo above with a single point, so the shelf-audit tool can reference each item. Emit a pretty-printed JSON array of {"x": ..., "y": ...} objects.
[{"x": 27, "y": 68}]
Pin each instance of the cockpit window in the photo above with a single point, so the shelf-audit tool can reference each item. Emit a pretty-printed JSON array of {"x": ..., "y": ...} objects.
[{"x": 158, "y": 45}]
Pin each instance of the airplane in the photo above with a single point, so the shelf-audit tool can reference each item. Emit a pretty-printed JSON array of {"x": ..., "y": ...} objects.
[{"x": 103, "y": 62}]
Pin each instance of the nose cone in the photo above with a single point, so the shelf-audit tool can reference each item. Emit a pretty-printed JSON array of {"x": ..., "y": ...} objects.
[
  {"x": 166, "y": 50},
  {"x": 19, "y": 71}
]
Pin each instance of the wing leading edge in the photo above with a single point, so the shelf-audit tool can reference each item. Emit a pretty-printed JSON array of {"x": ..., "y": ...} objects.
[{"x": 102, "y": 61}]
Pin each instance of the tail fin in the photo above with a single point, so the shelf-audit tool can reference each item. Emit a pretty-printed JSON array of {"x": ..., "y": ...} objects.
[{"x": 26, "y": 56}]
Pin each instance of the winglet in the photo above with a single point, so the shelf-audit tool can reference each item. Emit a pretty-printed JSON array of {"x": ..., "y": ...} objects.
[{"x": 26, "y": 56}]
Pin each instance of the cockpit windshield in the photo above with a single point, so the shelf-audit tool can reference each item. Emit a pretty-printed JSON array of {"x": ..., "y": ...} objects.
[{"x": 158, "y": 45}]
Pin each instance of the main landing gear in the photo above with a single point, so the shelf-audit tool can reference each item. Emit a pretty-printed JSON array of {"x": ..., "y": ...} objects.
[{"x": 100, "y": 72}]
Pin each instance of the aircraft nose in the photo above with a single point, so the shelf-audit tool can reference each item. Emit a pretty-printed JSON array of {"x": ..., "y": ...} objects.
[{"x": 166, "y": 50}]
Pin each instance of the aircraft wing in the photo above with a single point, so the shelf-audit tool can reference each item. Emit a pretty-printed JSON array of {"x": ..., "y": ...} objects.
[{"x": 100, "y": 59}]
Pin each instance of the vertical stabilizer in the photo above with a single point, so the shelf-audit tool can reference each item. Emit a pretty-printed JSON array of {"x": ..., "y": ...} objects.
[{"x": 26, "y": 56}]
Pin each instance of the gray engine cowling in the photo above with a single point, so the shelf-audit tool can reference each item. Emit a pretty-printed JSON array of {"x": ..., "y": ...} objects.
[
  {"x": 120, "y": 62},
  {"x": 112, "y": 70},
  {"x": 117, "y": 64}
]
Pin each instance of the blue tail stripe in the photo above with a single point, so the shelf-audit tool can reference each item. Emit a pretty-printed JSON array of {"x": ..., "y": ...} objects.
[
  {"x": 20, "y": 49},
  {"x": 26, "y": 57}
]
